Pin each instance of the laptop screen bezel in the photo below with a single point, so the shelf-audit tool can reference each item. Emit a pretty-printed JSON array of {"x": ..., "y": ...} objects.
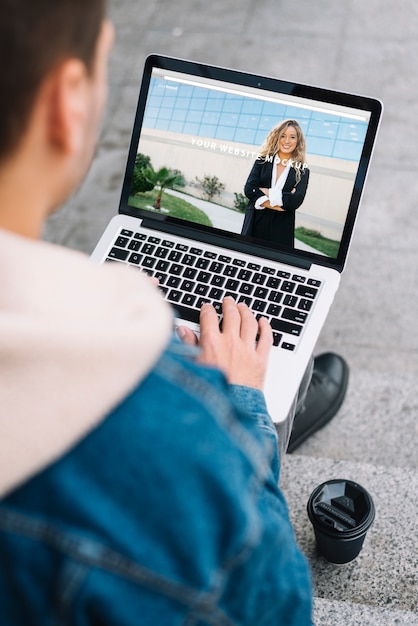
[{"x": 237, "y": 78}]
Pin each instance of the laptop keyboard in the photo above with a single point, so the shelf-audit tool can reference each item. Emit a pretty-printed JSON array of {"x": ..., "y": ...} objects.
[{"x": 191, "y": 275}]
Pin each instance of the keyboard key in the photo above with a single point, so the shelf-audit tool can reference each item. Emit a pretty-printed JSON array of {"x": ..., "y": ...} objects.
[
  {"x": 254, "y": 267},
  {"x": 200, "y": 303},
  {"x": 154, "y": 240},
  {"x": 273, "y": 282},
  {"x": 274, "y": 310},
  {"x": 118, "y": 253},
  {"x": 161, "y": 277},
  {"x": 201, "y": 289},
  {"x": 305, "y": 305},
  {"x": 275, "y": 296},
  {"x": 140, "y": 236},
  {"x": 126, "y": 233},
  {"x": 187, "y": 285},
  {"x": 231, "y": 284},
  {"x": 298, "y": 279},
  {"x": 176, "y": 269},
  {"x": 283, "y": 274},
  {"x": 149, "y": 262},
  {"x": 259, "y": 306},
  {"x": 187, "y": 313},
  {"x": 246, "y": 300},
  {"x": 196, "y": 251},
  {"x": 162, "y": 266},
  {"x": 210, "y": 255},
  {"x": 230, "y": 271},
  {"x": 313, "y": 282},
  {"x": 290, "y": 301},
  {"x": 202, "y": 264},
  {"x": 269, "y": 270},
  {"x": 216, "y": 267},
  {"x": 217, "y": 280},
  {"x": 135, "y": 258},
  {"x": 134, "y": 245},
  {"x": 189, "y": 272},
  {"x": 173, "y": 281},
  {"x": 121, "y": 242},
  {"x": 167, "y": 244},
  {"x": 161, "y": 252},
  {"x": 175, "y": 256},
  {"x": 261, "y": 292},
  {"x": 188, "y": 299},
  {"x": 216, "y": 294},
  {"x": 277, "y": 337},
  {"x": 189, "y": 259},
  {"x": 148, "y": 248},
  {"x": 294, "y": 315},
  {"x": 288, "y": 286},
  {"x": 203, "y": 277},
  {"x": 288, "y": 346},
  {"x": 306, "y": 291},
  {"x": 286, "y": 327},
  {"x": 246, "y": 288},
  {"x": 182, "y": 247},
  {"x": 239, "y": 262},
  {"x": 225, "y": 259},
  {"x": 259, "y": 279},
  {"x": 174, "y": 296},
  {"x": 244, "y": 275}
]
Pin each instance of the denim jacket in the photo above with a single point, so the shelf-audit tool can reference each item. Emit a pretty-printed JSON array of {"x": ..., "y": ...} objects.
[{"x": 168, "y": 513}]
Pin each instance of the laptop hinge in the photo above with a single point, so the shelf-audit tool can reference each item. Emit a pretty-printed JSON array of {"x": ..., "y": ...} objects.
[{"x": 230, "y": 243}]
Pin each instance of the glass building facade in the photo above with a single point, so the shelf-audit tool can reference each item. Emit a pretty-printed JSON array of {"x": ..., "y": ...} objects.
[{"x": 222, "y": 116}]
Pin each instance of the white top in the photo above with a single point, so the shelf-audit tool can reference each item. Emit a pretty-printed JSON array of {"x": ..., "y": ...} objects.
[{"x": 275, "y": 196}]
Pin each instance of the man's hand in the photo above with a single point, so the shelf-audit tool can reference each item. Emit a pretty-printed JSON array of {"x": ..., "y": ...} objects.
[{"x": 233, "y": 349}]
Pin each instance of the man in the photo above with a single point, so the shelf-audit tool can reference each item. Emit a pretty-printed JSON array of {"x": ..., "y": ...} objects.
[{"x": 138, "y": 475}]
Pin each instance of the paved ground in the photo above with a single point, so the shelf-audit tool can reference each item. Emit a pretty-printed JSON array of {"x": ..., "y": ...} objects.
[{"x": 353, "y": 45}]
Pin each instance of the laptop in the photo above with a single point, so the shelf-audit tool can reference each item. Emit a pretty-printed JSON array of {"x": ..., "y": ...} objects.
[{"x": 199, "y": 131}]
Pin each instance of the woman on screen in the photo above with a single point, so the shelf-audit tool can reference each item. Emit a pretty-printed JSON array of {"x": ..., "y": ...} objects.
[{"x": 277, "y": 185}]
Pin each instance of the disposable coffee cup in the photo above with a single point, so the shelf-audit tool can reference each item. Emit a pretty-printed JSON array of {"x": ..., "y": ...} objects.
[{"x": 341, "y": 512}]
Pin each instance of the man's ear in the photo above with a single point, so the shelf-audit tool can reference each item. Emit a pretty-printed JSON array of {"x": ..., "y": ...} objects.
[{"x": 67, "y": 101}]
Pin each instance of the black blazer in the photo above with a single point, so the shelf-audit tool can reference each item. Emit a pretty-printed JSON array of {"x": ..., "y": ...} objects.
[
  {"x": 260, "y": 176},
  {"x": 267, "y": 224}
]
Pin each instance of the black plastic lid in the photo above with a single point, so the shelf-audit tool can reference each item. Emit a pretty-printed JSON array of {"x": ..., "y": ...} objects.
[{"x": 341, "y": 507}]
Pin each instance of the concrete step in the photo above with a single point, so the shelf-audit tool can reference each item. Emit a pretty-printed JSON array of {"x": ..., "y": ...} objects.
[
  {"x": 384, "y": 577},
  {"x": 377, "y": 422},
  {"x": 333, "y": 613}
]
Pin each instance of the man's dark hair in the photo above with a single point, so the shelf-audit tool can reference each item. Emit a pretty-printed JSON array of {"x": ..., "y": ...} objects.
[{"x": 35, "y": 35}]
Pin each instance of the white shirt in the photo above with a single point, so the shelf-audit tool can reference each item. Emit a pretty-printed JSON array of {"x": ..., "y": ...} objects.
[{"x": 275, "y": 192}]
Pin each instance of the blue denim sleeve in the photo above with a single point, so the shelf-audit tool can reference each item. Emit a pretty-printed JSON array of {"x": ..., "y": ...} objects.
[{"x": 252, "y": 402}]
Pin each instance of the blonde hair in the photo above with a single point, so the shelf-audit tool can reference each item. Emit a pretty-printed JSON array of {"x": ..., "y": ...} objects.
[{"x": 271, "y": 145}]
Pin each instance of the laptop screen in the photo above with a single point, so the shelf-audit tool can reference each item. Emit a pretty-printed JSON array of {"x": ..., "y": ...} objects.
[{"x": 260, "y": 161}]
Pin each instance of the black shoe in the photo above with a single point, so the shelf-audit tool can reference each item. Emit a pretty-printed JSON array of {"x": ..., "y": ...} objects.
[{"x": 324, "y": 397}]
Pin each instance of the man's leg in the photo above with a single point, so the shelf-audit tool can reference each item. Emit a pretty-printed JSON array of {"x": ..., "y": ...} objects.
[{"x": 321, "y": 394}]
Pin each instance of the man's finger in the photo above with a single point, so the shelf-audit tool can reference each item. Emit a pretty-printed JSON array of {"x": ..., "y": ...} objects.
[
  {"x": 209, "y": 321},
  {"x": 249, "y": 325},
  {"x": 231, "y": 322},
  {"x": 265, "y": 337},
  {"x": 187, "y": 335}
]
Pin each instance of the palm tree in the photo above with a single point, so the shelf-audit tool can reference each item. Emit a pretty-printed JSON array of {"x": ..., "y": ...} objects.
[{"x": 163, "y": 178}]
